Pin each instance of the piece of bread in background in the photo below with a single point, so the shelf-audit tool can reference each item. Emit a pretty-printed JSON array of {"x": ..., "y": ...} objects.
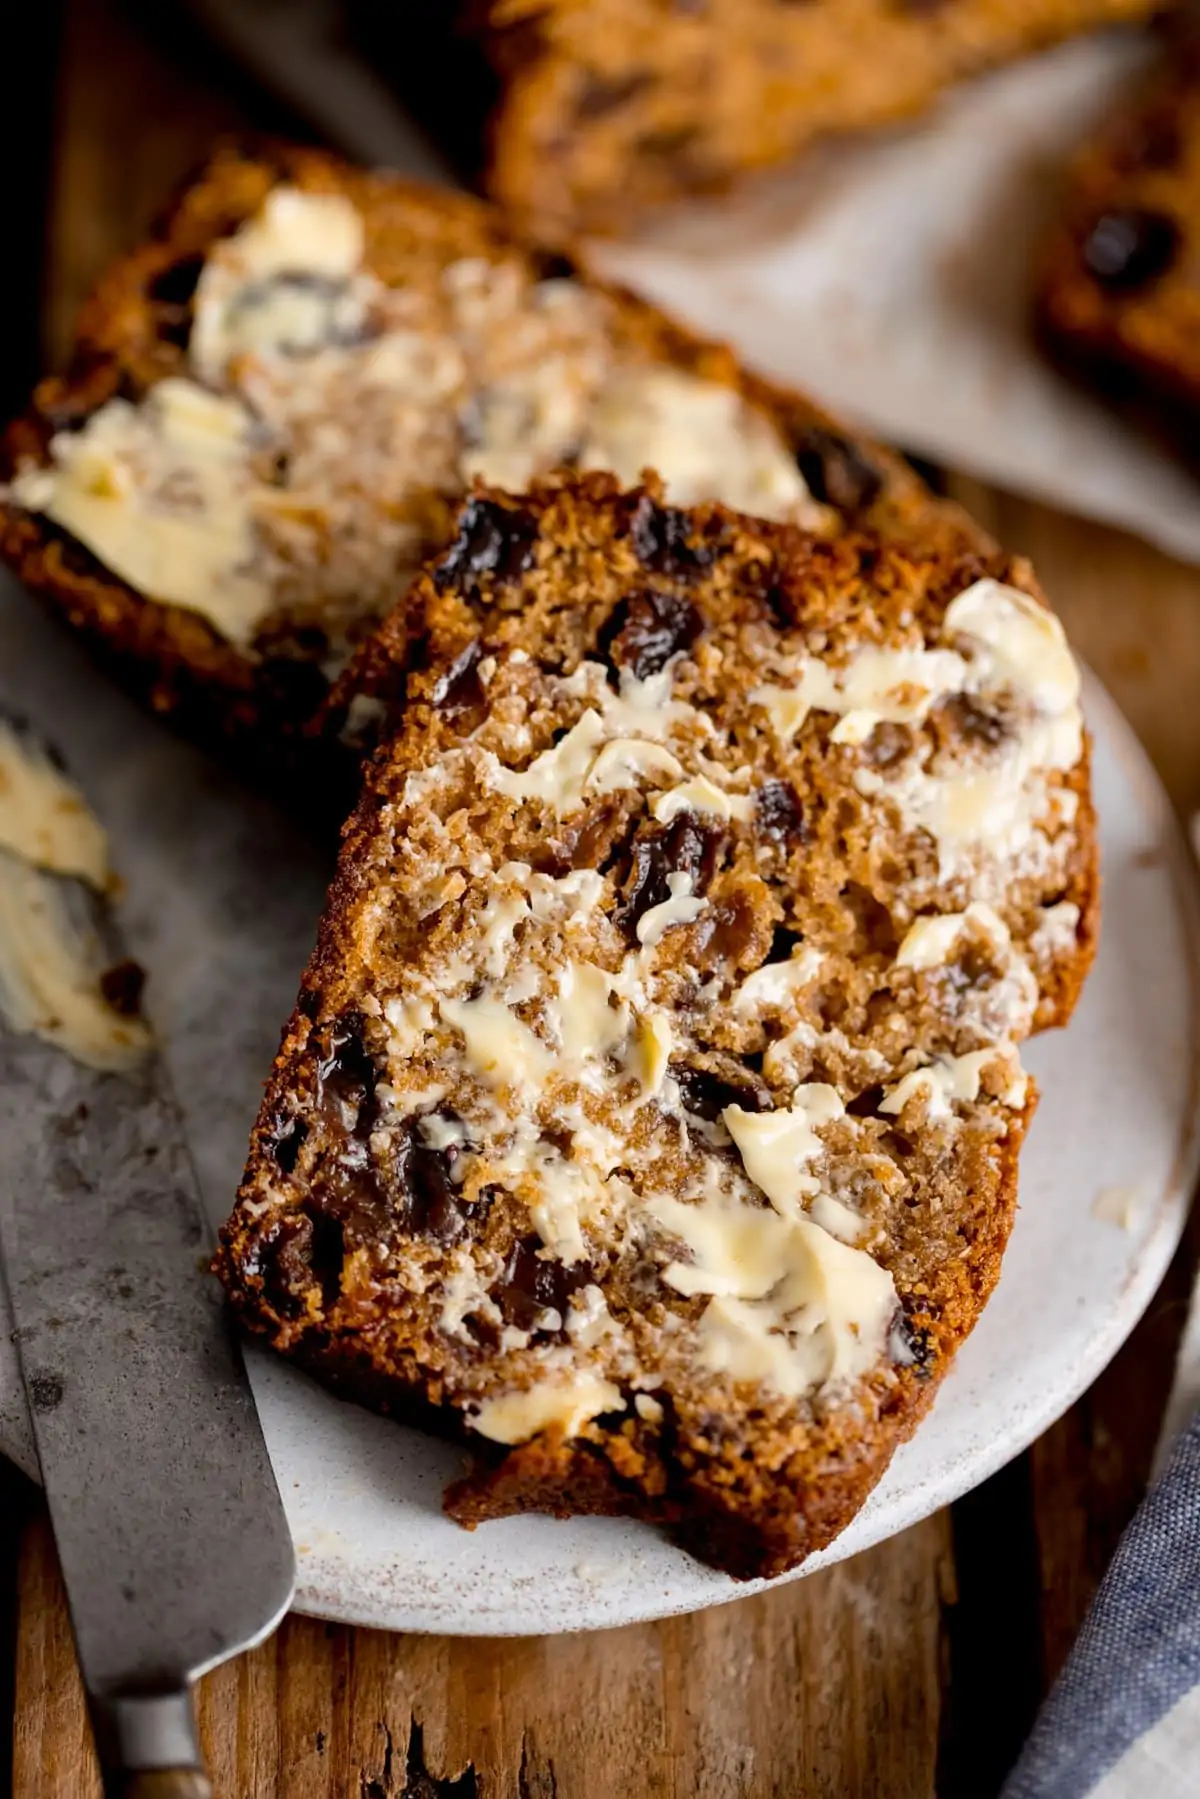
[
  {"x": 1118, "y": 289},
  {"x": 274, "y": 408},
  {"x": 580, "y": 116}
]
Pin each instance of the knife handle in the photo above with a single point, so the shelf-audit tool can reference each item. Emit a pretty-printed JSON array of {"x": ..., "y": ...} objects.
[
  {"x": 148, "y": 1745},
  {"x": 162, "y": 1783}
]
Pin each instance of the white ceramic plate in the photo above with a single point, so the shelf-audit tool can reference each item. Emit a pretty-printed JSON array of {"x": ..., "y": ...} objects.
[{"x": 221, "y": 907}]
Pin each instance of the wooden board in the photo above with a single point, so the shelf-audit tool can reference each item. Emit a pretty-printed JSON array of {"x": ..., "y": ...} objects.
[
  {"x": 911, "y": 1670},
  {"x": 806, "y": 1691}
]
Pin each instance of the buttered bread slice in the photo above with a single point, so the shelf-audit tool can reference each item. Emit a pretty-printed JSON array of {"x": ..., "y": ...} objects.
[
  {"x": 273, "y": 410},
  {"x": 651, "y": 1108}
]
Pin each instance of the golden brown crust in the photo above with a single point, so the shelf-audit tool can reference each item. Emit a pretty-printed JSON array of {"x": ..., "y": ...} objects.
[
  {"x": 531, "y": 591},
  {"x": 1117, "y": 298},
  {"x": 129, "y": 338}
]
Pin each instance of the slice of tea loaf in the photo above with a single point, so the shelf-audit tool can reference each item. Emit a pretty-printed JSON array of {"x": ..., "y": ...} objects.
[
  {"x": 651, "y": 1109},
  {"x": 275, "y": 406},
  {"x": 582, "y": 116},
  {"x": 1118, "y": 300}
]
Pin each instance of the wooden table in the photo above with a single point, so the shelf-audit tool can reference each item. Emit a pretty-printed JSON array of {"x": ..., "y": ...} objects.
[{"x": 913, "y": 1669}]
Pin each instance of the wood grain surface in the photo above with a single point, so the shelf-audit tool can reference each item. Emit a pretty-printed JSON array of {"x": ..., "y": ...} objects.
[{"x": 916, "y": 1668}]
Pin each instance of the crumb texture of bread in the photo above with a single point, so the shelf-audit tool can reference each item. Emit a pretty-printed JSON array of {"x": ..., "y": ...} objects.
[
  {"x": 651, "y": 1109},
  {"x": 1119, "y": 288},
  {"x": 602, "y": 110},
  {"x": 275, "y": 407}
]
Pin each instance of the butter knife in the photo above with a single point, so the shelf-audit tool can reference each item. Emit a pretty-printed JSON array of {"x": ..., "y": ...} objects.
[{"x": 168, "y": 1521}]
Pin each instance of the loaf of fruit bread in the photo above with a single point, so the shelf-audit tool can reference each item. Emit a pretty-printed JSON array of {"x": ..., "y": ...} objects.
[
  {"x": 1119, "y": 289},
  {"x": 650, "y": 1112},
  {"x": 276, "y": 405},
  {"x": 577, "y": 117}
]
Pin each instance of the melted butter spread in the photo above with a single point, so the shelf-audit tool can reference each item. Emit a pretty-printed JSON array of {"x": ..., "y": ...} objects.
[
  {"x": 43, "y": 816},
  {"x": 1026, "y": 640},
  {"x": 163, "y": 495},
  {"x": 558, "y": 776},
  {"x": 621, "y": 762},
  {"x": 958, "y": 1078},
  {"x": 51, "y": 956},
  {"x": 614, "y": 745},
  {"x": 1002, "y": 647},
  {"x": 998, "y": 807},
  {"x": 499, "y": 1048},
  {"x": 652, "y": 1048},
  {"x": 51, "y": 962},
  {"x": 792, "y": 1308},
  {"x": 1057, "y": 932},
  {"x": 703, "y": 439},
  {"x": 271, "y": 286},
  {"x": 527, "y": 422},
  {"x": 776, "y": 1146},
  {"x": 1003, "y": 1005},
  {"x": 776, "y": 985},
  {"x": 588, "y": 1023},
  {"x": 897, "y": 686},
  {"x": 639, "y": 708},
  {"x": 930, "y": 942},
  {"x": 279, "y": 474},
  {"x": 564, "y": 1194},
  {"x": 564, "y": 1406},
  {"x": 683, "y": 907},
  {"x": 702, "y": 795}
]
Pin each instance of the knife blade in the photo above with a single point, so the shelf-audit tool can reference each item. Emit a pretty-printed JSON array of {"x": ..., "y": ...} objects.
[{"x": 170, "y": 1530}]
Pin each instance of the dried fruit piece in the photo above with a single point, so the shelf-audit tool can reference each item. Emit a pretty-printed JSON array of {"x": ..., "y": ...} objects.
[
  {"x": 888, "y": 744},
  {"x": 552, "y": 265},
  {"x": 172, "y": 293},
  {"x": 345, "y": 1071},
  {"x": 1128, "y": 249},
  {"x": 911, "y": 1344},
  {"x": 286, "y": 1137},
  {"x": 283, "y": 1262},
  {"x": 492, "y": 540},
  {"x": 836, "y": 471},
  {"x": 647, "y": 629},
  {"x": 349, "y": 1185},
  {"x": 431, "y": 1202},
  {"x": 176, "y": 284},
  {"x": 707, "y": 1090},
  {"x": 1154, "y": 142},
  {"x": 660, "y": 540},
  {"x": 687, "y": 846},
  {"x": 974, "y": 722},
  {"x": 533, "y": 1284},
  {"x": 122, "y": 987},
  {"x": 779, "y": 813},
  {"x": 460, "y": 688}
]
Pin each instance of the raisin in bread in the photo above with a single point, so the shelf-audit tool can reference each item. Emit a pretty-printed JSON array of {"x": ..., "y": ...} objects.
[
  {"x": 274, "y": 408},
  {"x": 595, "y": 112},
  {"x": 1119, "y": 289},
  {"x": 650, "y": 1111}
]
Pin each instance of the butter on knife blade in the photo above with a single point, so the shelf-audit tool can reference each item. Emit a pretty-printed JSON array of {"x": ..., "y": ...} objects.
[
  {"x": 56, "y": 977},
  {"x": 169, "y": 1525}
]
